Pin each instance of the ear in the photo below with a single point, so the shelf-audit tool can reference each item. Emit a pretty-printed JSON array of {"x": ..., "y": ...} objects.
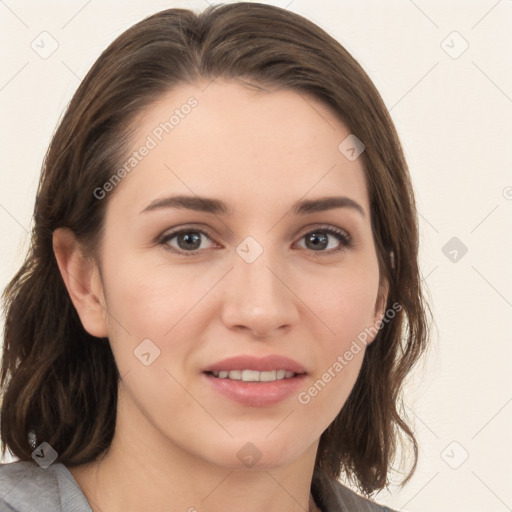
[
  {"x": 83, "y": 282},
  {"x": 382, "y": 300},
  {"x": 380, "y": 307}
]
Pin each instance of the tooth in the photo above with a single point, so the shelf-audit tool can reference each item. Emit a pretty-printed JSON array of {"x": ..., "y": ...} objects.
[
  {"x": 267, "y": 376},
  {"x": 250, "y": 375},
  {"x": 254, "y": 375}
]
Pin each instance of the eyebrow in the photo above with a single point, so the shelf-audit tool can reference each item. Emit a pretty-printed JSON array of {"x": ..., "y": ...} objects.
[{"x": 218, "y": 207}]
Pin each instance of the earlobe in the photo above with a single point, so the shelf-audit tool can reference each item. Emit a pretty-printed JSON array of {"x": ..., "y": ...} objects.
[{"x": 82, "y": 279}]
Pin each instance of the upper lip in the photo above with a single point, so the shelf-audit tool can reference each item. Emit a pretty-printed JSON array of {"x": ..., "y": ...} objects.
[{"x": 246, "y": 362}]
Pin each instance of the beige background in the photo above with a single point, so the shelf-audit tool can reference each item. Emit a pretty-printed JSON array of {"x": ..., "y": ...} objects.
[{"x": 453, "y": 111}]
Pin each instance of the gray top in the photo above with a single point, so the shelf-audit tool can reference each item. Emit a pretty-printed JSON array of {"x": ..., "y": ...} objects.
[{"x": 25, "y": 486}]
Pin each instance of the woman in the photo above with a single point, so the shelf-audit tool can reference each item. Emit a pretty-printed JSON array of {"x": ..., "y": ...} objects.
[{"x": 222, "y": 298}]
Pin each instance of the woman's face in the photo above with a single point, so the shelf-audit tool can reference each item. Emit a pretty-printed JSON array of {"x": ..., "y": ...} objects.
[{"x": 260, "y": 278}]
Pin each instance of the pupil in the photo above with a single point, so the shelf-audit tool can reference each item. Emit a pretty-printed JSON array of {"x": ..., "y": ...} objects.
[{"x": 318, "y": 240}]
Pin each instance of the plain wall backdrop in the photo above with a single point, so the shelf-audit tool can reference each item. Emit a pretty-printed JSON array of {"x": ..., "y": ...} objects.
[{"x": 444, "y": 70}]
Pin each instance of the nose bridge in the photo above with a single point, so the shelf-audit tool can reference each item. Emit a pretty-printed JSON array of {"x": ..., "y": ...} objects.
[
  {"x": 256, "y": 276},
  {"x": 257, "y": 298}
]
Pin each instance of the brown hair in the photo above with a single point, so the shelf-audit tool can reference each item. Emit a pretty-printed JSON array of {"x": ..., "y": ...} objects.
[{"x": 62, "y": 382}]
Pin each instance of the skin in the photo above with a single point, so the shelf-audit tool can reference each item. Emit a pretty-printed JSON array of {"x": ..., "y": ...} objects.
[{"x": 259, "y": 152}]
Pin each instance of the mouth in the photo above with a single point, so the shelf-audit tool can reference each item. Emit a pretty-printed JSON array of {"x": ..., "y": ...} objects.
[{"x": 253, "y": 381}]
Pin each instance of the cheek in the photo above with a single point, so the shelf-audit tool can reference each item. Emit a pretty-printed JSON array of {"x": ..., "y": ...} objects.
[
  {"x": 346, "y": 305},
  {"x": 149, "y": 300},
  {"x": 346, "y": 310},
  {"x": 166, "y": 304}
]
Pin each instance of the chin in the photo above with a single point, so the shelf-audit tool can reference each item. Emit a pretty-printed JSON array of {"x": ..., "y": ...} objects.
[{"x": 257, "y": 455}]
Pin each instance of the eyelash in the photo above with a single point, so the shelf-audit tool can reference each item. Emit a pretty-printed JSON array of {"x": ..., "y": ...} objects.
[{"x": 341, "y": 235}]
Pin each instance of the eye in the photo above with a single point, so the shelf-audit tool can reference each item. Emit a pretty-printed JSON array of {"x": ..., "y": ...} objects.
[
  {"x": 188, "y": 241},
  {"x": 318, "y": 240}
]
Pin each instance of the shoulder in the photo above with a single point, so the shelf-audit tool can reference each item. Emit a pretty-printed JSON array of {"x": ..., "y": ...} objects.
[
  {"x": 25, "y": 486},
  {"x": 346, "y": 499},
  {"x": 332, "y": 496}
]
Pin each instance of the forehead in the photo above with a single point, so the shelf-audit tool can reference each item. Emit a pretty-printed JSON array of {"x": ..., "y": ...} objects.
[{"x": 242, "y": 144}]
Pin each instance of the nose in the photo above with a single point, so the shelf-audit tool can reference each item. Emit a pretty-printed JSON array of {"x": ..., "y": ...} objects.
[{"x": 258, "y": 299}]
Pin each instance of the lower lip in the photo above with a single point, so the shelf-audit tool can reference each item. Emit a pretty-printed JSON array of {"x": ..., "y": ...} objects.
[{"x": 256, "y": 394}]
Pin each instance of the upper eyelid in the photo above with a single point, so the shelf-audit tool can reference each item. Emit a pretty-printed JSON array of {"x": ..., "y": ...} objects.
[{"x": 175, "y": 232}]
